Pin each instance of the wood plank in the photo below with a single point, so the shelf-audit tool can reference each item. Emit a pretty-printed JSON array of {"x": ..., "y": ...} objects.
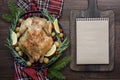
[
  {"x": 0, "y": 2},
  {"x": 70, "y": 75}
]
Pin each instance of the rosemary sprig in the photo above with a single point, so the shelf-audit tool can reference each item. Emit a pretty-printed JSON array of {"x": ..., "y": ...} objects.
[
  {"x": 61, "y": 63},
  {"x": 50, "y": 17},
  {"x": 13, "y": 18},
  {"x": 56, "y": 74},
  {"x": 13, "y": 52},
  {"x": 63, "y": 45},
  {"x": 53, "y": 71},
  {"x": 17, "y": 16},
  {"x": 13, "y": 10}
]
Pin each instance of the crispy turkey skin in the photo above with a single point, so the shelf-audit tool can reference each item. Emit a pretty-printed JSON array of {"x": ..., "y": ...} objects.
[{"x": 35, "y": 40}]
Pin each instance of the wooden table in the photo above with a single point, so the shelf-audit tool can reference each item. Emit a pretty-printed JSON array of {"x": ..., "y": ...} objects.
[{"x": 6, "y": 61}]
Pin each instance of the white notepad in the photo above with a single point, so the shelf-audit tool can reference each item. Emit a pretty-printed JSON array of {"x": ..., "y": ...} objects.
[{"x": 92, "y": 40}]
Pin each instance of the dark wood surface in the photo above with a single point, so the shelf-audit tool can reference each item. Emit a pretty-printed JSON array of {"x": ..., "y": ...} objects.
[{"x": 6, "y": 61}]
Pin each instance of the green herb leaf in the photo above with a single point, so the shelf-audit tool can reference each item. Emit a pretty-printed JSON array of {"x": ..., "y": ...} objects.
[
  {"x": 56, "y": 74},
  {"x": 13, "y": 18},
  {"x": 53, "y": 70},
  {"x": 7, "y": 17},
  {"x": 63, "y": 45},
  {"x": 50, "y": 17},
  {"x": 13, "y": 12},
  {"x": 12, "y": 7},
  {"x": 61, "y": 63}
]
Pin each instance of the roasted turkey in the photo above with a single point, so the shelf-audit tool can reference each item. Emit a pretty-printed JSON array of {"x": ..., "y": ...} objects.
[{"x": 35, "y": 40}]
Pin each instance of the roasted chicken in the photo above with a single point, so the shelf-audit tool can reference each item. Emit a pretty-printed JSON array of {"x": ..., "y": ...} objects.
[{"x": 35, "y": 40}]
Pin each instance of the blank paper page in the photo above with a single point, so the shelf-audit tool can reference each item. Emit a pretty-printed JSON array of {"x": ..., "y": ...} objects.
[{"x": 92, "y": 35}]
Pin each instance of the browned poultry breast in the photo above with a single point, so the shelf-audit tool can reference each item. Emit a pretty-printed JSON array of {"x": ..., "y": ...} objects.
[{"x": 35, "y": 40}]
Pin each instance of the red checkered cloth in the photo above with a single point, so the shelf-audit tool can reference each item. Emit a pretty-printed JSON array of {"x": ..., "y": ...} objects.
[
  {"x": 26, "y": 73},
  {"x": 53, "y": 7}
]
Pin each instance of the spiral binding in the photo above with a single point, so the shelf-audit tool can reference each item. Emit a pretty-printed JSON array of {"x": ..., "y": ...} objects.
[{"x": 92, "y": 19}]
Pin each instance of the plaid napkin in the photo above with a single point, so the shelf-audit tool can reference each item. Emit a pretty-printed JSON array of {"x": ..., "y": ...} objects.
[
  {"x": 26, "y": 73},
  {"x": 53, "y": 7}
]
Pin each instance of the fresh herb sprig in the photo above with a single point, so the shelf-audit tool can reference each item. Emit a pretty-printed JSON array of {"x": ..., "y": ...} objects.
[
  {"x": 19, "y": 60},
  {"x": 50, "y": 17},
  {"x": 13, "y": 10},
  {"x": 54, "y": 70},
  {"x": 13, "y": 18},
  {"x": 63, "y": 44},
  {"x": 57, "y": 62}
]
